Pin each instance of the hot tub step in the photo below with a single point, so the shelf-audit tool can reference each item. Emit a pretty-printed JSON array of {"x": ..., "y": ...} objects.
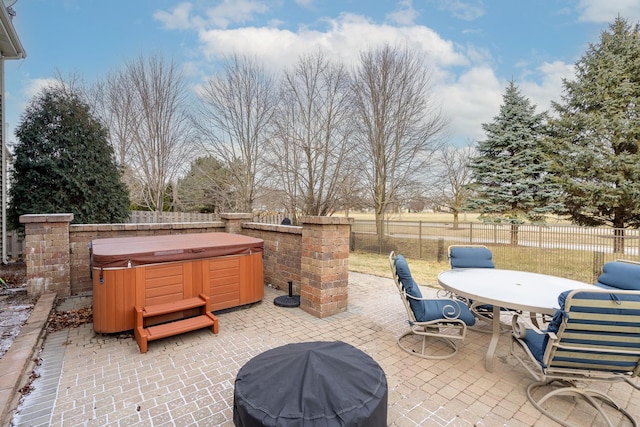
[
  {"x": 178, "y": 327},
  {"x": 204, "y": 320},
  {"x": 172, "y": 307}
]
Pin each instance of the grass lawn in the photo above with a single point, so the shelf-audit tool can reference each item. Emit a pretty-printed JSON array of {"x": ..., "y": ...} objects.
[{"x": 423, "y": 272}]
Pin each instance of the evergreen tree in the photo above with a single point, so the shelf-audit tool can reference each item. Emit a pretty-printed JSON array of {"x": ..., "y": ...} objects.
[
  {"x": 510, "y": 175},
  {"x": 206, "y": 187},
  {"x": 63, "y": 163},
  {"x": 598, "y": 130}
]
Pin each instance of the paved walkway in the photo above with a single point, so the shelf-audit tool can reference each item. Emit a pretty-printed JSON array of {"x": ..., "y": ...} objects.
[{"x": 96, "y": 380}]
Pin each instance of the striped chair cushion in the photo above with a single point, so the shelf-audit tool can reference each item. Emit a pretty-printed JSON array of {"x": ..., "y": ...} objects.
[{"x": 597, "y": 325}]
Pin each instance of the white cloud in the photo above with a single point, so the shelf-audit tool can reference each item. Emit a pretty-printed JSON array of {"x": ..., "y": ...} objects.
[
  {"x": 222, "y": 15},
  {"x": 405, "y": 14},
  {"x": 235, "y": 12},
  {"x": 549, "y": 88},
  {"x": 471, "y": 100},
  {"x": 344, "y": 37},
  {"x": 304, "y": 3},
  {"x": 467, "y": 11},
  {"x": 176, "y": 19},
  {"x": 601, "y": 11}
]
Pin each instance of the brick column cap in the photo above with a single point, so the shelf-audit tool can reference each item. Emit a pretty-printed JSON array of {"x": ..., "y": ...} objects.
[
  {"x": 231, "y": 215},
  {"x": 326, "y": 220},
  {"x": 34, "y": 218}
]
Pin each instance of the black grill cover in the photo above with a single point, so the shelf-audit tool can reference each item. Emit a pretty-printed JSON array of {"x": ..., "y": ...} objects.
[{"x": 311, "y": 384}]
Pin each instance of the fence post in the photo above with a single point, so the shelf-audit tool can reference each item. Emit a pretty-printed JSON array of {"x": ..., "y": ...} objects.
[
  {"x": 420, "y": 239},
  {"x": 598, "y": 263},
  {"x": 471, "y": 233},
  {"x": 440, "y": 249},
  {"x": 539, "y": 236}
]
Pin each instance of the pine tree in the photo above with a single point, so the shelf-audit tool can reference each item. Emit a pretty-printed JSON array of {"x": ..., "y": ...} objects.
[
  {"x": 510, "y": 174},
  {"x": 598, "y": 131},
  {"x": 63, "y": 163}
]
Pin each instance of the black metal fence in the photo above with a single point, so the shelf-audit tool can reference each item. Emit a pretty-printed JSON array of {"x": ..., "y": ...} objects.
[{"x": 568, "y": 251}]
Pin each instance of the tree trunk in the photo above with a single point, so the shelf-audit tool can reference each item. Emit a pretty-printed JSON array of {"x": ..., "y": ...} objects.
[
  {"x": 514, "y": 234},
  {"x": 380, "y": 230},
  {"x": 618, "y": 240}
]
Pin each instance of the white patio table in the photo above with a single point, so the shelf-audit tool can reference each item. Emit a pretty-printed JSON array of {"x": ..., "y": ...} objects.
[{"x": 517, "y": 290}]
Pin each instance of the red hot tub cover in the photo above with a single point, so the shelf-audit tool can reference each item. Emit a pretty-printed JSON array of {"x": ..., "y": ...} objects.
[
  {"x": 311, "y": 384},
  {"x": 135, "y": 251}
]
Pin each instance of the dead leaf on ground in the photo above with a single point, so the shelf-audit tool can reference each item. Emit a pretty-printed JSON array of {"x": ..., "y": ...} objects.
[{"x": 60, "y": 320}]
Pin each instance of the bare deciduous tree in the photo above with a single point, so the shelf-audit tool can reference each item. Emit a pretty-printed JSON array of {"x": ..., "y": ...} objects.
[
  {"x": 144, "y": 106},
  {"x": 397, "y": 123},
  {"x": 160, "y": 125},
  {"x": 112, "y": 99},
  {"x": 234, "y": 112},
  {"x": 310, "y": 148},
  {"x": 453, "y": 179}
]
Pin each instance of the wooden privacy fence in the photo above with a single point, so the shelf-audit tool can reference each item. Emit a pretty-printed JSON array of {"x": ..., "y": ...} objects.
[
  {"x": 142, "y": 217},
  {"x": 561, "y": 250},
  {"x": 15, "y": 246},
  {"x": 146, "y": 217}
]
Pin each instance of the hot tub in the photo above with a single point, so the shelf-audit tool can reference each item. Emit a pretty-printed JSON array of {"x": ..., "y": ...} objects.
[{"x": 146, "y": 271}]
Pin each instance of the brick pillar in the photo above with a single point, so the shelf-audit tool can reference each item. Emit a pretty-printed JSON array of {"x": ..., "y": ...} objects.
[
  {"x": 233, "y": 221},
  {"x": 47, "y": 253},
  {"x": 324, "y": 268}
]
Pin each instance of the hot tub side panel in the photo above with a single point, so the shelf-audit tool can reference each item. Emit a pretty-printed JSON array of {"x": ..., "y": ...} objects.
[
  {"x": 251, "y": 283},
  {"x": 233, "y": 281},
  {"x": 114, "y": 296}
]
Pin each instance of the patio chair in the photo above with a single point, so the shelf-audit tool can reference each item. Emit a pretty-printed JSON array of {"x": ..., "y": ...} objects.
[
  {"x": 620, "y": 274},
  {"x": 473, "y": 256},
  {"x": 594, "y": 336},
  {"x": 442, "y": 319}
]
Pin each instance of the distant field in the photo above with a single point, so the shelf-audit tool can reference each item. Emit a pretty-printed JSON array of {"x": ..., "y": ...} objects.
[
  {"x": 432, "y": 217},
  {"x": 421, "y": 216}
]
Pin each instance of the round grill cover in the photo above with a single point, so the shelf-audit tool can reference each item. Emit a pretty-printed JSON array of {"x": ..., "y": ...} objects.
[{"x": 311, "y": 384}]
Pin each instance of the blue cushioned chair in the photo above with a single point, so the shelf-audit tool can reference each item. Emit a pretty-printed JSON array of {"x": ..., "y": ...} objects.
[
  {"x": 470, "y": 256},
  {"x": 620, "y": 274},
  {"x": 595, "y": 336},
  {"x": 474, "y": 256},
  {"x": 440, "y": 318}
]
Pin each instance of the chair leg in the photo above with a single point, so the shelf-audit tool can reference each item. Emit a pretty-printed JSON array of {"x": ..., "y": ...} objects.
[
  {"x": 423, "y": 353},
  {"x": 567, "y": 388}
]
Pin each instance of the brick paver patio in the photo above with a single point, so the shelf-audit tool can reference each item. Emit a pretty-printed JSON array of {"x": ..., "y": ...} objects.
[{"x": 188, "y": 379}]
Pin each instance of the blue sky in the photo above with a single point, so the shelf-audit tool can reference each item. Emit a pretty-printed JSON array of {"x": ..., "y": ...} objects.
[{"x": 473, "y": 47}]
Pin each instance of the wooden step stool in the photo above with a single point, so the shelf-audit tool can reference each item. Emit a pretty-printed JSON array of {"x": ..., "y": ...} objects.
[{"x": 144, "y": 334}]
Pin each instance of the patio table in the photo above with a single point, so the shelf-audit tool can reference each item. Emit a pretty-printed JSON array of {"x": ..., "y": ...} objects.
[
  {"x": 311, "y": 384},
  {"x": 517, "y": 290}
]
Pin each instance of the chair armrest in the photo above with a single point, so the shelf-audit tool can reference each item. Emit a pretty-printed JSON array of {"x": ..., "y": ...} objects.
[
  {"x": 423, "y": 298},
  {"x": 416, "y": 298},
  {"x": 520, "y": 324}
]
